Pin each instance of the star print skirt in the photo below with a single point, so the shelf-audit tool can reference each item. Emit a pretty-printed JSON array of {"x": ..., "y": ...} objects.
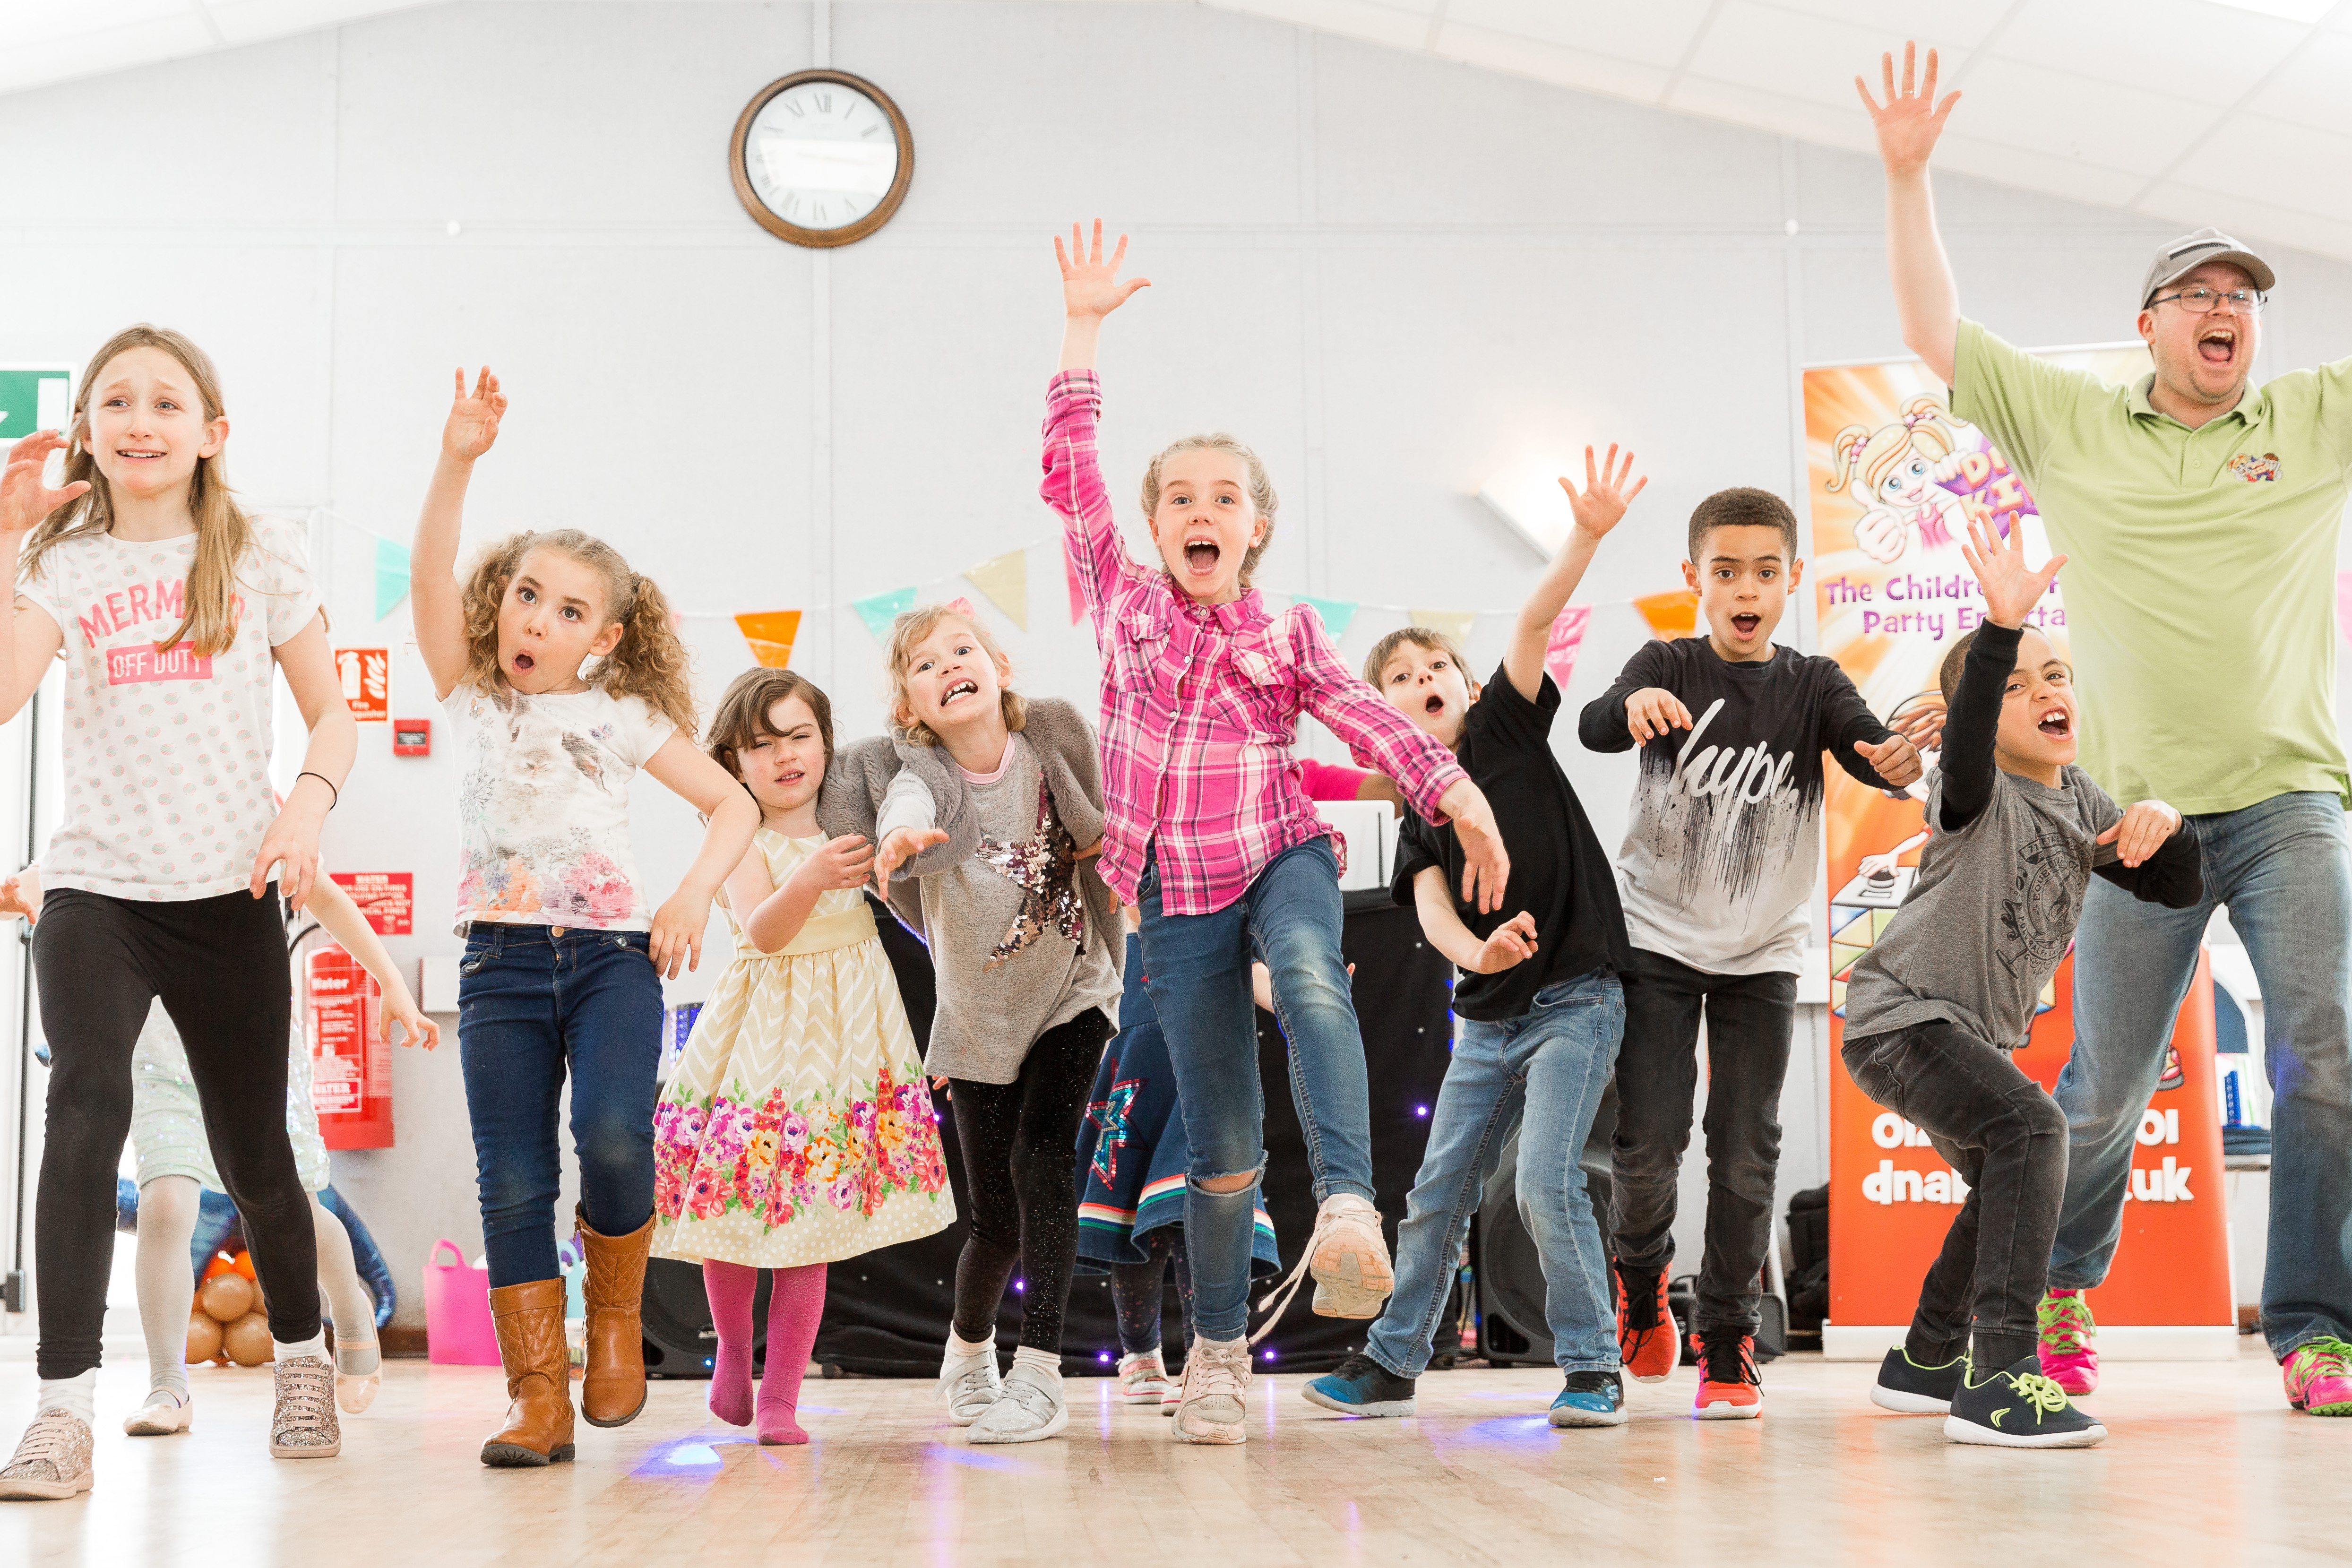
[{"x": 1132, "y": 1150}]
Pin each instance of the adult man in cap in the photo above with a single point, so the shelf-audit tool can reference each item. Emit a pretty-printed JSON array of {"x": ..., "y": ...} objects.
[{"x": 2200, "y": 513}]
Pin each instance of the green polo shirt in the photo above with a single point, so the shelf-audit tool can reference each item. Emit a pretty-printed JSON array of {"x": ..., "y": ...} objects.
[{"x": 2200, "y": 584}]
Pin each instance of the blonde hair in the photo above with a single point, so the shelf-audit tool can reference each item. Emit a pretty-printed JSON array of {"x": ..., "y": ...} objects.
[
  {"x": 648, "y": 663},
  {"x": 224, "y": 530},
  {"x": 1426, "y": 638},
  {"x": 1864, "y": 457},
  {"x": 1263, "y": 499},
  {"x": 910, "y": 629}
]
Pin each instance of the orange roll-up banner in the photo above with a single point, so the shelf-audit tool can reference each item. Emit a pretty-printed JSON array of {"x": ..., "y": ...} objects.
[{"x": 1893, "y": 480}]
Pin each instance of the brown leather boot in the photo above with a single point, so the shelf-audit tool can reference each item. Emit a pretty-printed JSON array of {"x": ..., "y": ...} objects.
[
  {"x": 615, "y": 1389},
  {"x": 529, "y": 1319}
]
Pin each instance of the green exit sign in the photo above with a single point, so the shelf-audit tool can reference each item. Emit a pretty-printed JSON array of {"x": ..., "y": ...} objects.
[{"x": 35, "y": 397}]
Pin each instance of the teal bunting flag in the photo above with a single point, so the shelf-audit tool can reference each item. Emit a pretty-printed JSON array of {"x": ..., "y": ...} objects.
[
  {"x": 878, "y": 610},
  {"x": 391, "y": 576},
  {"x": 1336, "y": 613}
]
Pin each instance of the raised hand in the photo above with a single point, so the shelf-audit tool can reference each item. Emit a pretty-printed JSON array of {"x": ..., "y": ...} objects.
[
  {"x": 1895, "y": 758},
  {"x": 25, "y": 496},
  {"x": 2011, "y": 588},
  {"x": 1652, "y": 711},
  {"x": 901, "y": 845},
  {"x": 1091, "y": 286},
  {"x": 473, "y": 423},
  {"x": 1604, "y": 497},
  {"x": 1908, "y": 122},
  {"x": 2142, "y": 831}
]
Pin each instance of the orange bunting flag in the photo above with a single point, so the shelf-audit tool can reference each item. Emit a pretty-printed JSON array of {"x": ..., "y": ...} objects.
[
  {"x": 1670, "y": 615},
  {"x": 770, "y": 634}
]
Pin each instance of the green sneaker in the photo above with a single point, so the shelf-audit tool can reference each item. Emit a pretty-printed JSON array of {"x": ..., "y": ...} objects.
[{"x": 2319, "y": 1377}]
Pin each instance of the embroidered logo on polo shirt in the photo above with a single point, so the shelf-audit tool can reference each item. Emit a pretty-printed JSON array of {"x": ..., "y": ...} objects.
[{"x": 2253, "y": 470}]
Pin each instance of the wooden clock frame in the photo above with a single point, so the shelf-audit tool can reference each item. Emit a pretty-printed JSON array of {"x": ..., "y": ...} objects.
[{"x": 820, "y": 238}]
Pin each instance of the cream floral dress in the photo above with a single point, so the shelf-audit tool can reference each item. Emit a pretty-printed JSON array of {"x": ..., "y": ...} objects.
[{"x": 797, "y": 1126}]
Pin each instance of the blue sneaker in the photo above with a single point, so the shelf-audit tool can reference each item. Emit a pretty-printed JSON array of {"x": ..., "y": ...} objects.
[
  {"x": 1363, "y": 1386},
  {"x": 1591, "y": 1399}
]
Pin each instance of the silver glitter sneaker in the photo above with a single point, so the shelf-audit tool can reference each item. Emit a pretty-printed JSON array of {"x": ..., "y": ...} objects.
[
  {"x": 52, "y": 1460},
  {"x": 968, "y": 1386},
  {"x": 304, "y": 1426}
]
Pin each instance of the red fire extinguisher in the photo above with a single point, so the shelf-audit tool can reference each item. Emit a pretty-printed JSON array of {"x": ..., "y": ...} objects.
[{"x": 351, "y": 1065}]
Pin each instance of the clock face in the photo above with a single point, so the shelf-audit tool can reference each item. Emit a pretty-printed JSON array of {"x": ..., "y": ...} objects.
[{"x": 821, "y": 156}]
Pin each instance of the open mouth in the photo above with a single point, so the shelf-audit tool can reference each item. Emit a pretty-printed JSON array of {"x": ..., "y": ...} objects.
[
  {"x": 1745, "y": 626},
  {"x": 2058, "y": 724},
  {"x": 1434, "y": 705},
  {"x": 137, "y": 455},
  {"x": 1201, "y": 555},
  {"x": 960, "y": 688},
  {"x": 524, "y": 663},
  {"x": 2216, "y": 345}
]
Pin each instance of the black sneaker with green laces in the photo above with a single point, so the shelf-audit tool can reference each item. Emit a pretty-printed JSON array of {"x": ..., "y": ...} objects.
[
  {"x": 1915, "y": 1390},
  {"x": 2019, "y": 1408}
]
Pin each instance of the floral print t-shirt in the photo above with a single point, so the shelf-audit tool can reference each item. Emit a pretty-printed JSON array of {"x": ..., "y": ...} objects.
[
  {"x": 167, "y": 787},
  {"x": 543, "y": 806}
]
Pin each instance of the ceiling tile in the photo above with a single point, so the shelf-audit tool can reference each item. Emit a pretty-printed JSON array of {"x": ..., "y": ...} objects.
[
  {"x": 2287, "y": 166},
  {"x": 1657, "y": 33},
  {"x": 2311, "y": 90},
  {"x": 1550, "y": 62},
  {"x": 1403, "y": 25},
  {"x": 2239, "y": 213},
  {"x": 24, "y": 23},
  {"x": 2038, "y": 171},
  {"x": 1770, "y": 111},
  {"x": 143, "y": 43},
  {"x": 2060, "y": 115},
  {"x": 1948, "y": 24},
  {"x": 1793, "y": 55},
  {"x": 2190, "y": 49},
  {"x": 251, "y": 21}
]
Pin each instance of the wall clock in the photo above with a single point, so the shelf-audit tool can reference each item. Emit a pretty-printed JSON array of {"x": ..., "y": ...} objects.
[{"x": 821, "y": 158}]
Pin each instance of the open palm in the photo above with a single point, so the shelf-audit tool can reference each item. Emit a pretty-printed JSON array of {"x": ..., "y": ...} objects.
[
  {"x": 1908, "y": 122},
  {"x": 1090, "y": 285},
  {"x": 2011, "y": 588},
  {"x": 1604, "y": 497},
  {"x": 25, "y": 496},
  {"x": 474, "y": 419}
]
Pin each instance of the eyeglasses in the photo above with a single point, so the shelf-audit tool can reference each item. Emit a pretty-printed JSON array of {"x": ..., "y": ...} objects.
[{"x": 2202, "y": 301}]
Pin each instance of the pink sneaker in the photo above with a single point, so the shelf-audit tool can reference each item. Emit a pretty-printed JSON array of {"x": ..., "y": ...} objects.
[
  {"x": 2319, "y": 1377},
  {"x": 2064, "y": 1343}
]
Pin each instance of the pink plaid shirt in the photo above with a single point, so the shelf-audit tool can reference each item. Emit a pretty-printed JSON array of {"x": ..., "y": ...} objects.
[{"x": 1200, "y": 702}]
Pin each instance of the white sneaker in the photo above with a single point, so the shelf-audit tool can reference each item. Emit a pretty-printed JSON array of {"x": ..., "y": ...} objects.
[
  {"x": 1143, "y": 1379},
  {"x": 164, "y": 1413},
  {"x": 52, "y": 1460},
  {"x": 1028, "y": 1407},
  {"x": 1216, "y": 1393},
  {"x": 1349, "y": 1260},
  {"x": 968, "y": 1386}
]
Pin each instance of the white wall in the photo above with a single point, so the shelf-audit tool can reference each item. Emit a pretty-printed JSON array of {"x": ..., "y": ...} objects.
[{"x": 1394, "y": 275}]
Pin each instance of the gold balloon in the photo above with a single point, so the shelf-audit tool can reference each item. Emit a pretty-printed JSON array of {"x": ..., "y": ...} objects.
[
  {"x": 204, "y": 1337},
  {"x": 247, "y": 1340},
  {"x": 227, "y": 1297}
]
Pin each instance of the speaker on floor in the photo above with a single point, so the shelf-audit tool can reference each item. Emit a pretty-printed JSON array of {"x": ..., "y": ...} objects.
[
  {"x": 1504, "y": 1265},
  {"x": 679, "y": 1339}
]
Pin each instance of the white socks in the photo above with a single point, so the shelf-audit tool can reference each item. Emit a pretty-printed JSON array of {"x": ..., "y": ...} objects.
[
  {"x": 315, "y": 1345},
  {"x": 1036, "y": 1360},
  {"x": 962, "y": 1349},
  {"x": 78, "y": 1394}
]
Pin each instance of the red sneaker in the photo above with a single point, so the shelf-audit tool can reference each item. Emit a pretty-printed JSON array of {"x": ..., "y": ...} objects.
[
  {"x": 1728, "y": 1386},
  {"x": 1647, "y": 1342}
]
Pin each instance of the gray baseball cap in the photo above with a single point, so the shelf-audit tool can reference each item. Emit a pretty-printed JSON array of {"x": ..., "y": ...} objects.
[{"x": 2191, "y": 251}]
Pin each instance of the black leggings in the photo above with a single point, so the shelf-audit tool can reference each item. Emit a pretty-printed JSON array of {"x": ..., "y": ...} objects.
[
  {"x": 1138, "y": 1291},
  {"x": 1020, "y": 1157},
  {"x": 218, "y": 965}
]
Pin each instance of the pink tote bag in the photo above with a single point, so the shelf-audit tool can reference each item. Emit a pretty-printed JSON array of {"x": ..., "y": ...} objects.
[{"x": 457, "y": 1328}]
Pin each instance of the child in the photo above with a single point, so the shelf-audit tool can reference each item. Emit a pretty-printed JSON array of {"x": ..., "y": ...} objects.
[
  {"x": 171, "y": 608},
  {"x": 1934, "y": 1006},
  {"x": 796, "y": 1128},
  {"x": 1209, "y": 834},
  {"x": 1539, "y": 999},
  {"x": 169, "y": 1141},
  {"x": 562, "y": 969},
  {"x": 982, "y": 799},
  {"x": 1717, "y": 872}
]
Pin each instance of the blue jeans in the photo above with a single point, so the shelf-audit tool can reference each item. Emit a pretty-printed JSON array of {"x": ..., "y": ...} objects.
[
  {"x": 1199, "y": 966},
  {"x": 1544, "y": 1073},
  {"x": 2282, "y": 869},
  {"x": 535, "y": 1004}
]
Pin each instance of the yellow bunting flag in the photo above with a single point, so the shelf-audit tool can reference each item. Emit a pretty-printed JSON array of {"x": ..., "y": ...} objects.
[
  {"x": 1454, "y": 624},
  {"x": 770, "y": 634},
  {"x": 1670, "y": 615},
  {"x": 1006, "y": 581}
]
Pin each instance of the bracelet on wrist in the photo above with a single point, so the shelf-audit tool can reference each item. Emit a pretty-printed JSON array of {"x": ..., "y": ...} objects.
[{"x": 335, "y": 796}]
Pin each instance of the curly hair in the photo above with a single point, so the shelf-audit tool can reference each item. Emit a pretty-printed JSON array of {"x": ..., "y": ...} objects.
[
  {"x": 1263, "y": 499},
  {"x": 910, "y": 629},
  {"x": 741, "y": 716},
  {"x": 650, "y": 663}
]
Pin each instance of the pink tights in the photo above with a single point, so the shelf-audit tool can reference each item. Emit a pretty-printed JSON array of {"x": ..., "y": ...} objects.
[{"x": 795, "y": 1302}]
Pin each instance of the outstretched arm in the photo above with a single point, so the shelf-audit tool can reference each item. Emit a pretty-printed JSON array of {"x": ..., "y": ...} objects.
[
  {"x": 435, "y": 605},
  {"x": 1598, "y": 507},
  {"x": 1091, "y": 289},
  {"x": 732, "y": 817},
  {"x": 1927, "y": 300},
  {"x": 1073, "y": 485}
]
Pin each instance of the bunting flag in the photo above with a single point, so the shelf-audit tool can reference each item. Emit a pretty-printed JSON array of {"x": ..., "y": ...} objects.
[
  {"x": 1670, "y": 615},
  {"x": 391, "y": 575},
  {"x": 878, "y": 610},
  {"x": 1336, "y": 613},
  {"x": 961, "y": 607},
  {"x": 1070, "y": 574},
  {"x": 1005, "y": 582},
  {"x": 770, "y": 633},
  {"x": 1566, "y": 635},
  {"x": 1454, "y": 624}
]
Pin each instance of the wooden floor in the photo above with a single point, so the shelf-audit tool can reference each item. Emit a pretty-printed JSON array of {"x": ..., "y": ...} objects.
[{"x": 2206, "y": 1464}]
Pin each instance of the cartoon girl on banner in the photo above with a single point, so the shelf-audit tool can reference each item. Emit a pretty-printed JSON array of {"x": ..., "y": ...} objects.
[{"x": 1902, "y": 470}]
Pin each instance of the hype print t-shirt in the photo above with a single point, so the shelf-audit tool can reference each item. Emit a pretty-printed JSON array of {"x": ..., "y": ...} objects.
[
  {"x": 166, "y": 754},
  {"x": 1725, "y": 837},
  {"x": 543, "y": 806}
]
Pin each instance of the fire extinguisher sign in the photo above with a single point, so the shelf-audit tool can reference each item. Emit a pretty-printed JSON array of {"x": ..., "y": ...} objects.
[
  {"x": 365, "y": 674},
  {"x": 351, "y": 1065},
  {"x": 386, "y": 897}
]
